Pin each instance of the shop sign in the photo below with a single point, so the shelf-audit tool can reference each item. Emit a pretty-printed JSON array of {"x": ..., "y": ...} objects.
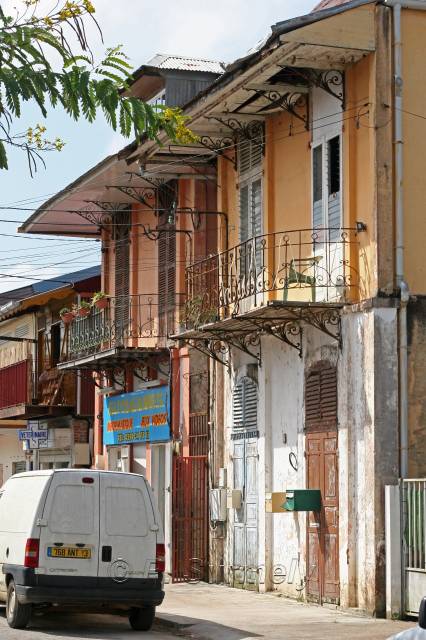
[{"x": 141, "y": 416}]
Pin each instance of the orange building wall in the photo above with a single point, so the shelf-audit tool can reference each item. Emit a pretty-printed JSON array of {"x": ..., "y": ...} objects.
[{"x": 414, "y": 96}]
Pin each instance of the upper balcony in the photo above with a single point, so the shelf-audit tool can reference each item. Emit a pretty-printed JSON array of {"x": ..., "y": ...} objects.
[
  {"x": 125, "y": 325},
  {"x": 305, "y": 266},
  {"x": 271, "y": 283}
]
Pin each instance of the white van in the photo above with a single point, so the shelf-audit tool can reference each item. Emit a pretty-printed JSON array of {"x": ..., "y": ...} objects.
[{"x": 90, "y": 539}]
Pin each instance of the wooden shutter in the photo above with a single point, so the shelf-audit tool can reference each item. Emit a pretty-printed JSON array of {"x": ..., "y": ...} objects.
[
  {"x": 245, "y": 404},
  {"x": 121, "y": 236},
  {"x": 167, "y": 197},
  {"x": 321, "y": 398}
]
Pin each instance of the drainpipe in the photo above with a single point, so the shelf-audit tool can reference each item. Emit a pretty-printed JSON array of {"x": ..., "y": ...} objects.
[{"x": 399, "y": 224}]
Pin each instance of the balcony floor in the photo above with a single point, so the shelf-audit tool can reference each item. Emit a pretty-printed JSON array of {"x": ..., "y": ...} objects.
[
  {"x": 29, "y": 411},
  {"x": 111, "y": 358},
  {"x": 274, "y": 313}
]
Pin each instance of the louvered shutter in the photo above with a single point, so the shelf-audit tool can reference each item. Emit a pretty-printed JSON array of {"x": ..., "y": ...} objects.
[
  {"x": 167, "y": 195},
  {"x": 321, "y": 398},
  {"x": 245, "y": 405},
  {"x": 256, "y": 219},
  {"x": 122, "y": 272},
  {"x": 318, "y": 214}
]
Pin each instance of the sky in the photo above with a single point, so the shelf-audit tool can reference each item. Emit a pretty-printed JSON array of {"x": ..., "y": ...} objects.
[{"x": 220, "y": 30}]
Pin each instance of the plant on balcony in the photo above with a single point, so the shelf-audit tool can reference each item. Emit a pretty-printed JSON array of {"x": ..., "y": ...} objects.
[
  {"x": 83, "y": 309},
  {"x": 199, "y": 311},
  {"x": 100, "y": 300},
  {"x": 67, "y": 315}
]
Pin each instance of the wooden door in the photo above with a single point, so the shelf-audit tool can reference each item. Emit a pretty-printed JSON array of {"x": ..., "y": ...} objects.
[
  {"x": 322, "y": 473},
  {"x": 323, "y": 526}
]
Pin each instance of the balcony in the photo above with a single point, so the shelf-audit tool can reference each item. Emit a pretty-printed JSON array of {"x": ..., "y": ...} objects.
[
  {"x": 127, "y": 323},
  {"x": 24, "y": 396},
  {"x": 306, "y": 266}
]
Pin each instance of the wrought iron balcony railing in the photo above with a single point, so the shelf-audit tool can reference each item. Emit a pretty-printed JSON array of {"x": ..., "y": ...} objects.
[
  {"x": 135, "y": 321},
  {"x": 305, "y": 265}
]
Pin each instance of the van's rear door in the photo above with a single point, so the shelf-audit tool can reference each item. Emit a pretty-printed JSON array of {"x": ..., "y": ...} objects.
[
  {"x": 69, "y": 531},
  {"x": 128, "y": 535}
]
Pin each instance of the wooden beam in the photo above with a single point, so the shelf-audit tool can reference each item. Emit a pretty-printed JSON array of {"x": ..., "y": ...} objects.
[{"x": 281, "y": 88}]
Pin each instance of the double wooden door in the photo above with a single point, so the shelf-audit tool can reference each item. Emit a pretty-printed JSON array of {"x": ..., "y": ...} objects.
[{"x": 323, "y": 526}]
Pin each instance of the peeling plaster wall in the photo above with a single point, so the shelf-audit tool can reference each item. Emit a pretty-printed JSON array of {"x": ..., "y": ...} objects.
[
  {"x": 368, "y": 452},
  {"x": 417, "y": 388}
]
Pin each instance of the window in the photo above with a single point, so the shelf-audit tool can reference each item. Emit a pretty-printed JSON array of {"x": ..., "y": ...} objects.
[
  {"x": 125, "y": 512},
  {"x": 326, "y": 187},
  {"x": 73, "y": 509}
]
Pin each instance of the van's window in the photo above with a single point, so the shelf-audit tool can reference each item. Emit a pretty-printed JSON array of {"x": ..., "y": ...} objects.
[
  {"x": 125, "y": 513},
  {"x": 20, "y": 502},
  {"x": 72, "y": 509}
]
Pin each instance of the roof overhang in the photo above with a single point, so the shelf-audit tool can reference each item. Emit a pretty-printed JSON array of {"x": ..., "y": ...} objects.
[{"x": 292, "y": 59}]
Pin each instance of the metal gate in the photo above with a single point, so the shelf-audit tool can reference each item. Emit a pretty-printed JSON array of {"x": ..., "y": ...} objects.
[
  {"x": 413, "y": 505},
  {"x": 190, "y": 519}
]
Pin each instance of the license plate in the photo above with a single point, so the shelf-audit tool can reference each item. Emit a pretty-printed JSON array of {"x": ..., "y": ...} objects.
[{"x": 69, "y": 552}]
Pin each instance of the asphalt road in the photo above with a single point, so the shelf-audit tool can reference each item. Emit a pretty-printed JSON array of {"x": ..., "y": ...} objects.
[{"x": 61, "y": 626}]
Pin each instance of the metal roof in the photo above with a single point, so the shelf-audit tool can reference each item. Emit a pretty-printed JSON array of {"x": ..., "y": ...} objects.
[
  {"x": 183, "y": 63},
  {"x": 327, "y": 4}
]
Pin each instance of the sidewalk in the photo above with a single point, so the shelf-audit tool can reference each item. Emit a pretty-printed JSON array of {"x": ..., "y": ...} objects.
[{"x": 213, "y": 612}]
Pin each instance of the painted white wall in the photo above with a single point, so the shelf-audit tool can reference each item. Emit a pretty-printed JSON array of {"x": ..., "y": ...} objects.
[
  {"x": 10, "y": 451},
  {"x": 366, "y": 401}
]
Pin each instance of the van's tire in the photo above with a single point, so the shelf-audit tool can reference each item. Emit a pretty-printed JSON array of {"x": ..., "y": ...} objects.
[
  {"x": 142, "y": 619},
  {"x": 17, "y": 615}
]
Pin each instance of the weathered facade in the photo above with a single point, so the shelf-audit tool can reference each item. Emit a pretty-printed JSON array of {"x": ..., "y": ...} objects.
[
  {"x": 33, "y": 393},
  {"x": 282, "y": 248}
]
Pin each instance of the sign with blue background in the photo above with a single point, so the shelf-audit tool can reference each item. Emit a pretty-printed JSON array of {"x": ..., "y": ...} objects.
[{"x": 141, "y": 416}]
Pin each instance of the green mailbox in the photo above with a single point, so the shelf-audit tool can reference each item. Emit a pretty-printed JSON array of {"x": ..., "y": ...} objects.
[{"x": 302, "y": 500}]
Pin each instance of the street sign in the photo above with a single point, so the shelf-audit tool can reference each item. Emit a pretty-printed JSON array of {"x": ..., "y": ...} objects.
[{"x": 35, "y": 437}]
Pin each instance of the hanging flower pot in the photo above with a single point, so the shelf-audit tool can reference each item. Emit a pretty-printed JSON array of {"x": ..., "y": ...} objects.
[
  {"x": 84, "y": 309},
  {"x": 102, "y": 303},
  {"x": 67, "y": 316},
  {"x": 100, "y": 300}
]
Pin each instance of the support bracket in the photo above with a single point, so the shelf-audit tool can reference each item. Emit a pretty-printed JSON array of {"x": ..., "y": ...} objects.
[{"x": 142, "y": 195}]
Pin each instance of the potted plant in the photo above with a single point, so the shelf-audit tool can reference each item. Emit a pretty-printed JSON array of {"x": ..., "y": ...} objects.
[
  {"x": 84, "y": 309},
  {"x": 67, "y": 315},
  {"x": 100, "y": 300}
]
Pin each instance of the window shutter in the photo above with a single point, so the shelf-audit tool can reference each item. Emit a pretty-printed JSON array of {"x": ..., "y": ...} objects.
[
  {"x": 321, "y": 398},
  {"x": 318, "y": 217},
  {"x": 245, "y": 405},
  {"x": 167, "y": 195},
  {"x": 121, "y": 232},
  {"x": 244, "y": 213}
]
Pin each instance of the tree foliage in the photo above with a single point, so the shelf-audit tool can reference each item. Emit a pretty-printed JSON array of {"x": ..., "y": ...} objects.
[{"x": 28, "y": 44}]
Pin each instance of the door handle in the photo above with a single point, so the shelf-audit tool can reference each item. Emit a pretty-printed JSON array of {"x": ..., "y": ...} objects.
[{"x": 106, "y": 554}]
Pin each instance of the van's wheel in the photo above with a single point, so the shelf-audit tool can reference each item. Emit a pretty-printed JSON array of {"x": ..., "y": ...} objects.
[
  {"x": 17, "y": 615},
  {"x": 142, "y": 619}
]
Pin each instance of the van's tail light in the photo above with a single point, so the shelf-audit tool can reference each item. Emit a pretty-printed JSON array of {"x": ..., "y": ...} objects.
[
  {"x": 32, "y": 549},
  {"x": 160, "y": 558}
]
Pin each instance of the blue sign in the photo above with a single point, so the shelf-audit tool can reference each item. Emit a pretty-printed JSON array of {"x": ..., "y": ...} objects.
[{"x": 141, "y": 416}]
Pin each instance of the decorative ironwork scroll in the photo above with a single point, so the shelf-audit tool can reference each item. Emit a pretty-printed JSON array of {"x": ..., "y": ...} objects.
[
  {"x": 326, "y": 320},
  {"x": 291, "y": 102},
  {"x": 219, "y": 145},
  {"x": 142, "y": 195},
  {"x": 251, "y": 130},
  {"x": 331, "y": 81},
  {"x": 214, "y": 349}
]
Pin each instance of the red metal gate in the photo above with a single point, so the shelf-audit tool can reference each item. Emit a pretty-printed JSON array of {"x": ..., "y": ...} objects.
[{"x": 190, "y": 519}]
